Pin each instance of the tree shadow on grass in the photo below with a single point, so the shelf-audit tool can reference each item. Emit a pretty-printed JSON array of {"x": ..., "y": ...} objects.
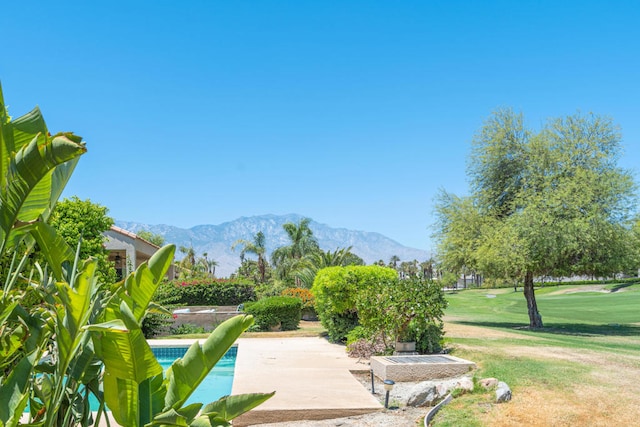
[
  {"x": 576, "y": 329},
  {"x": 619, "y": 286}
]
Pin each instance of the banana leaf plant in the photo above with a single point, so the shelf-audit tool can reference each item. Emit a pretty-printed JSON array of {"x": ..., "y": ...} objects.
[
  {"x": 135, "y": 388},
  {"x": 34, "y": 169},
  {"x": 63, "y": 335}
]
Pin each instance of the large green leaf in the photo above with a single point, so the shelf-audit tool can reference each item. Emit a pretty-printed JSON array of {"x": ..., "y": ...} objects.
[
  {"x": 141, "y": 285},
  {"x": 122, "y": 347},
  {"x": 182, "y": 418},
  {"x": 230, "y": 407},
  {"x": 187, "y": 373},
  {"x": 15, "y": 391},
  {"x": 24, "y": 199},
  {"x": 121, "y": 396},
  {"x": 77, "y": 299},
  {"x": 151, "y": 393}
]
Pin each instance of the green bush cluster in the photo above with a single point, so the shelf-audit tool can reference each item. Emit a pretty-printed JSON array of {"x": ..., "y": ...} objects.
[
  {"x": 371, "y": 303},
  {"x": 271, "y": 311},
  {"x": 208, "y": 292},
  {"x": 336, "y": 290}
]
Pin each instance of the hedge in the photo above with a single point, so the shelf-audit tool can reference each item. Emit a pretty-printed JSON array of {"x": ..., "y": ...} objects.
[
  {"x": 271, "y": 311},
  {"x": 208, "y": 292}
]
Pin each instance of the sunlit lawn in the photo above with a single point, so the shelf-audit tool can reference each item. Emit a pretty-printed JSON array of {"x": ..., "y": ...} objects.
[{"x": 590, "y": 342}]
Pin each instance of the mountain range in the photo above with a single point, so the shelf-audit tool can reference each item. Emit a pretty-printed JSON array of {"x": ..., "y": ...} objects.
[{"x": 217, "y": 240}]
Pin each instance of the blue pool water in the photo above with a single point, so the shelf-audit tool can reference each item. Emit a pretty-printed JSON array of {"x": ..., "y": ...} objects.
[{"x": 216, "y": 385}]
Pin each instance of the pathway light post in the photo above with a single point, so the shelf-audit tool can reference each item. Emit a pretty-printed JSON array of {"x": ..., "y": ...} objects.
[{"x": 388, "y": 386}]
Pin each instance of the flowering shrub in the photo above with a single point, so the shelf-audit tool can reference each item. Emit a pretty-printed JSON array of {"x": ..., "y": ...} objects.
[{"x": 304, "y": 295}]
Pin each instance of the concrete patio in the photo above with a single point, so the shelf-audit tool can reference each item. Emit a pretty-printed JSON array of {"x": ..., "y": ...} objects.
[{"x": 311, "y": 378}]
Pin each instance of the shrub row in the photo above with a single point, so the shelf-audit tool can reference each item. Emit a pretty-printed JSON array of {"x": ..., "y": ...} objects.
[
  {"x": 271, "y": 311},
  {"x": 208, "y": 292}
]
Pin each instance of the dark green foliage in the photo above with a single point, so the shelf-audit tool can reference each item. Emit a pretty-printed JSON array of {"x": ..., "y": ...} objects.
[
  {"x": 430, "y": 339},
  {"x": 270, "y": 312},
  {"x": 336, "y": 290},
  {"x": 155, "y": 323},
  {"x": 339, "y": 325},
  {"x": 75, "y": 219},
  {"x": 209, "y": 292},
  {"x": 187, "y": 328},
  {"x": 404, "y": 310}
]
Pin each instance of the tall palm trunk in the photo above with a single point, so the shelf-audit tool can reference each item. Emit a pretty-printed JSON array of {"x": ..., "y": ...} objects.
[{"x": 535, "y": 319}]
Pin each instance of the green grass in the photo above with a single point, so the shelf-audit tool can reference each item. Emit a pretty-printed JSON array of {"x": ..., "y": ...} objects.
[
  {"x": 607, "y": 323},
  {"x": 590, "y": 314}
]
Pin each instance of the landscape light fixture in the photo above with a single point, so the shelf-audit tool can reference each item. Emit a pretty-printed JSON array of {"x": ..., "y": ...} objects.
[
  {"x": 388, "y": 386},
  {"x": 373, "y": 389}
]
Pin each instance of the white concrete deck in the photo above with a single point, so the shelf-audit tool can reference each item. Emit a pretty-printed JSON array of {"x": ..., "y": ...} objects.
[{"x": 311, "y": 378}]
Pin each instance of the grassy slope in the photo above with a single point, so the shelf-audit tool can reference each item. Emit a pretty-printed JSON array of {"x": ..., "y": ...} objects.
[{"x": 582, "y": 331}]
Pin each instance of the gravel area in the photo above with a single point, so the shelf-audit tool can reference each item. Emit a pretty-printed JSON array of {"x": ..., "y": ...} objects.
[{"x": 398, "y": 414}]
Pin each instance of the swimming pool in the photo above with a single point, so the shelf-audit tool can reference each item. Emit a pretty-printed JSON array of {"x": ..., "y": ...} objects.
[{"x": 216, "y": 385}]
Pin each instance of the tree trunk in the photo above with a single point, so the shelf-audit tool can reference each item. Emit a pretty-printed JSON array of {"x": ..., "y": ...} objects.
[{"x": 535, "y": 320}]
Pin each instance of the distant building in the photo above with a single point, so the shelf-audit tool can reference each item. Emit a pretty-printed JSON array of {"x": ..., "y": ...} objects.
[{"x": 127, "y": 251}]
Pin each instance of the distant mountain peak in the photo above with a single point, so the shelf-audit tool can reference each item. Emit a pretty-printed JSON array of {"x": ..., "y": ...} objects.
[{"x": 216, "y": 240}]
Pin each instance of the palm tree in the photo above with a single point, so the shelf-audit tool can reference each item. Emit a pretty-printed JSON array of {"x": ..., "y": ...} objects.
[
  {"x": 393, "y": 262},
  {"x": 288, "y": 259},
  {"x": 258, "y": 248},
  {"x": 321, "y": 259}
]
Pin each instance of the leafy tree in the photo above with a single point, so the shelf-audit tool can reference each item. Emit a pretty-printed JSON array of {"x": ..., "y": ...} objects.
[
  {"x": 550, "y": 203},
  {"x": 156, "y": 239},
  {"x": 82, "y": 220},
  {"x": 256, "y": 247},
  {"x": 460, "y": 223}
]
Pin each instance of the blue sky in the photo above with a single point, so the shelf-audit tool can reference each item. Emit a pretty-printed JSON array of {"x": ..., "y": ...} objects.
[{"x": 351, "y": 113}]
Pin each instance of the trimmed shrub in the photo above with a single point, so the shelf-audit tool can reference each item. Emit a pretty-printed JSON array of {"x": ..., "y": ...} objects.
[
  {"x": 271, "y": 311},
  {"x": 336, "y": 291},
  {"x": 210, "y": 292}
]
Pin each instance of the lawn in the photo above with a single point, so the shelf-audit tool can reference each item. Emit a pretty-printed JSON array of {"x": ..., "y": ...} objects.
[{"x": 583, "y": 368}]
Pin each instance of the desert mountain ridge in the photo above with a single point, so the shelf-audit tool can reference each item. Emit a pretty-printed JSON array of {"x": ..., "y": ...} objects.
[{"x": 217, "y": 240}]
